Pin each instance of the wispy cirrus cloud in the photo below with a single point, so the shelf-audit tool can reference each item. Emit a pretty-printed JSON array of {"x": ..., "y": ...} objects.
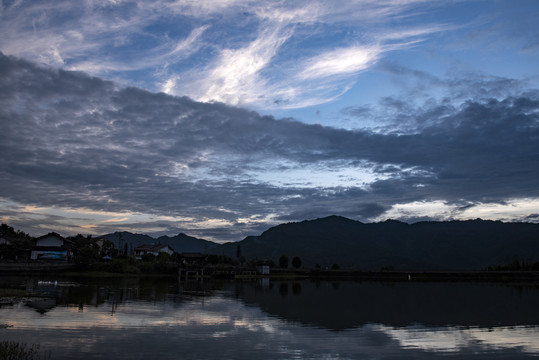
[
  {"x": 152, "y": 44},
  {"x": 340, "y": 62},
  {"x": 234, "y": 78},
  {"x": 159, "y": 58}
]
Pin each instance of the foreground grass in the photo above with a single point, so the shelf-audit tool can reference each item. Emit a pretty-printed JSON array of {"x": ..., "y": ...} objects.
[{"x": 12, "y": 350}]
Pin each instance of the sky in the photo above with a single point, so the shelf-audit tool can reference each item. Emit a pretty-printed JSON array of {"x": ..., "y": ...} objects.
[{"x": 222, "y": 118}]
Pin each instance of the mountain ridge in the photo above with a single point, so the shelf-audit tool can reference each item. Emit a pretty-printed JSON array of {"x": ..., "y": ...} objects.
[
  {"x": 392, "y": 244},
  {"x": 427, "y": 245}
]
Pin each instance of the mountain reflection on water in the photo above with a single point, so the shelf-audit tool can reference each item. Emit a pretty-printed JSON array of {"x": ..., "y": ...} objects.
[
  {"x": 162, "y": 318},
  {"x": 346, "y": 305}
]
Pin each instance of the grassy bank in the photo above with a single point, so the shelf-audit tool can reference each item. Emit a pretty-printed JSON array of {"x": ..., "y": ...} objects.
[
  {"x": 12, "y": 293},
  {"x": 107, "y": 274}
]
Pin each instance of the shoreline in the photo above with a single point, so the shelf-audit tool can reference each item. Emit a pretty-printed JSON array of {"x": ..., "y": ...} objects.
[
  {"x": 443, "y": 276},
  {"x": 528, "y": 277},
  {"x": 69, "y": 269}
]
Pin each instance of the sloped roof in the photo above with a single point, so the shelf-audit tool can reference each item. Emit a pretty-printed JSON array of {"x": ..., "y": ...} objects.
[
  {"x": 51, "y": 234},
  {"x": 56, "y": 235}
]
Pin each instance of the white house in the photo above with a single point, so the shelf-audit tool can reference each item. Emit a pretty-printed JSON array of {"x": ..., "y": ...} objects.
[
  {"x": 263, "y": 267},
  {"x": 152, "y": 249},
  {"x": 51, "y": 247}
]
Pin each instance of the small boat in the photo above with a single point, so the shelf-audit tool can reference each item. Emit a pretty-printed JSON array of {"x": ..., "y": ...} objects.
[
  {"x": 41, "y": 304},
  {"x": 44, "y": 283}
]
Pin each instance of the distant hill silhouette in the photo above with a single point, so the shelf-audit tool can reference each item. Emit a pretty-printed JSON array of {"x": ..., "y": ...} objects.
[
  {"x": 453, "y": 245},
  {"x": 180, "y": 243},
  {"x": 120, "y": 238}
]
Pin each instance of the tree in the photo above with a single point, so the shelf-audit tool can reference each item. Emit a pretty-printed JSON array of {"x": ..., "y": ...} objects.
[
  {"x": 148, "y": 257},
  {"x": 238, "y": 251},
  {"x": 108, "y": 249},
  {"x": 219, "y": 259},
  {"x": 7, "y": 231},
  {"x": 296, "y": 262},
  {"x": 19, "y": 244},
  {"x": 239, "y": 256},
  {"x": 87, "y": 256},
  {"x": 78, "y": 242},
  {"x": 283, "y": 261}
]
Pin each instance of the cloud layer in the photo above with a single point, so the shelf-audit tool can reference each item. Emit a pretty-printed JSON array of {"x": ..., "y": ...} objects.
[{"x": 72, "y": 142}]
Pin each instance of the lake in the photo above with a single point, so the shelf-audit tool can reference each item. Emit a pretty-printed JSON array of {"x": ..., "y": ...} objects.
[{"x": 159, "y": 318}]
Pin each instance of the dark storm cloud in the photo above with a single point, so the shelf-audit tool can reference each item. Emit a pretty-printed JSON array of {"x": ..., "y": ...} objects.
[
  {"x": 358, "y": 111},
  {"x": 457, "y": 87},
  {"x": 532, "y": 218},
  {"x": 72, "y": 140},
  {"x": 400, "y": 70},
  {"x": 371, "y": 210}
]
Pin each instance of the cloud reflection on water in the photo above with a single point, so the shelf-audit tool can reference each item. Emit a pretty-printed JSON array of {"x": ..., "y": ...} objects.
[
  {"x": 222, "y": 325},
  {"x": 454, "y": 339}
]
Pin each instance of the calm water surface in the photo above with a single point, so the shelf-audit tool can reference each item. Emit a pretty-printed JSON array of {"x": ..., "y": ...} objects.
[{"x": 164, "y": 319}]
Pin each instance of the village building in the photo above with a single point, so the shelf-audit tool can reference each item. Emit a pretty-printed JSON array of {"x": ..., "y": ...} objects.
[
  {"x": 106, "y": 247},
  {"x": 99, "y": 241},
  {"x": 191, "y": 265},
  {"x": 6, "y": 242},
  {"x": 152, "y": 249},
  {"x": 192, "y": 258},
  {"x": 52, "y": 247}
]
